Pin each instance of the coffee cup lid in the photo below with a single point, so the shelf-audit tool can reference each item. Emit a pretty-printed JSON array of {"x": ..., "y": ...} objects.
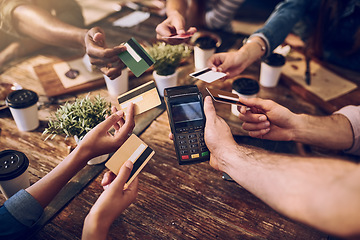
[
  {"x": 22, "y": 98},
  {"x": 246, "y": 86},
  {"x": 275, "y": 60},
  {"x": 206, "y": 42},
  {"x": 12, "y": 164}
]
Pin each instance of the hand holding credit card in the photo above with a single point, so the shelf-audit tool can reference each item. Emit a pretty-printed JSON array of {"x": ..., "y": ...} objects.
[
  {"x": 224, "y": 97},
  {"x": 136, "y": 58},
  {"x": 135, "y": 150},
  {"x": 143, "y": 97},
  {"x": 207, "y": 75}
]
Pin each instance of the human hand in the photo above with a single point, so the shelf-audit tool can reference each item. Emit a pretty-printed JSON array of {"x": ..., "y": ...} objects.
[
  {"x": 102, "y": 57},
  {"x": 173, "y": 25},
  {"x": 231, "y": 63},
  {"x": 100, "y": 141},
  {"x": 116, "y": 197},
  {"x": 267, "y": 119},
  {"x": 218, "y": 136}
]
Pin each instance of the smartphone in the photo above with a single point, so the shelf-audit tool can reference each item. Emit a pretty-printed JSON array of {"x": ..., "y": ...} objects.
[{"x": 184, "y": 105}]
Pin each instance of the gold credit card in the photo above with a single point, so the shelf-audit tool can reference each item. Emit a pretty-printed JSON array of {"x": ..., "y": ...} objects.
[
  {"x": 144, "y": 97},
  {"x": 224, "y": 97},
  {"x": 135, "y": 150}
]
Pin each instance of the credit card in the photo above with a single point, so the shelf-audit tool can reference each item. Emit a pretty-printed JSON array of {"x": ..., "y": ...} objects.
[
  {"x": 180, "y": 36},
  {"x": 135, "y": 150},
  {"x": 224, "y": 97},
  {"x": 207, "y": 75},
  {"x": 144, "y": 97},
  {"x": 136, "y": 58}
]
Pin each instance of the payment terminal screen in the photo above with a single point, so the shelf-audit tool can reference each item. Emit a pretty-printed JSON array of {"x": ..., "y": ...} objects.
[{"x": 185, "y": 112}]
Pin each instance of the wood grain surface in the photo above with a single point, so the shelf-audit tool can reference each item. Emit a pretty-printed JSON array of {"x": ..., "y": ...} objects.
[{"x": 174, "y": 202}]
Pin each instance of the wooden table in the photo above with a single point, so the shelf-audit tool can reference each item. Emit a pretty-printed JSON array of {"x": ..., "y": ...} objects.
[{"x": 174, "y": 202}]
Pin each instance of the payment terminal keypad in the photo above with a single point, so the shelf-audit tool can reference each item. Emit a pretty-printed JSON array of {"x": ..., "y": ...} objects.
[{"x": 191, "y": 143}]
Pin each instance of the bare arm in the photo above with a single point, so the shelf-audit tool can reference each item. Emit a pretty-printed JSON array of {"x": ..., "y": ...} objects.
[
  {"x": 39, "y": 24},
  {"x": 179, "y": 6},
  {"x": 270, "y": 120},
  {"x": 320, "y": 192},
  {"x": 97, "y": 142}
]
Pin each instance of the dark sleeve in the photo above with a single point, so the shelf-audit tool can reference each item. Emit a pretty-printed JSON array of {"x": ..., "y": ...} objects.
[{"x": 18, "y": 215}]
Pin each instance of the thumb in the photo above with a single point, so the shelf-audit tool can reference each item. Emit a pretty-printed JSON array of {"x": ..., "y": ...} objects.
[
  {"x": 209, "y": 109},
  {"x": 97, "y": 36},
  {"x": 123, "y": 175}
]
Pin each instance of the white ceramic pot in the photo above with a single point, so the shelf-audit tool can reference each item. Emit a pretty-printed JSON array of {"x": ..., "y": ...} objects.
[
  {"x": 95, "y": 160},
  {"x": 119, "y": 85},
  {"x": 163, "y": 82}
]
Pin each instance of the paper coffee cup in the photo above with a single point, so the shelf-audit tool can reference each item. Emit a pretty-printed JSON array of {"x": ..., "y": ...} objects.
[
  {"x": 13, "y": 172},
  {"x": 201, "y": 56},
  {"x": 271, "y": 69},
  {"x": 23, "y": 107},
  {"x": 205, "y": 47},
  {"x": 119, "y": 85},
  {"x": 246, "y": 88}
]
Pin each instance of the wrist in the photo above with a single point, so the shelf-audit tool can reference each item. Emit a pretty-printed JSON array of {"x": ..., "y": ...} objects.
[
  {"x": 226, "y": 155},
  {"x": 301, "y": 128},
  {"x": 83, "y": 34},
  {"x": 95, "y": 227},
  {"x": 255, "y": 46}
]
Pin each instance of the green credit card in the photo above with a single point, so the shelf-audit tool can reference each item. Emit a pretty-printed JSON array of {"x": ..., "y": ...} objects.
[{"x": 136, "y": 58}]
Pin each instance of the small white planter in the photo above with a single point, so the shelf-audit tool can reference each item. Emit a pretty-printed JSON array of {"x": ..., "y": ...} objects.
[
  {"x": 119, "y": 85},
  {"x": 163, "y": 82}
]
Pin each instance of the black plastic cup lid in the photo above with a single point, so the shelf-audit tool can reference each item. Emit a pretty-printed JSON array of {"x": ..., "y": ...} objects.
[
  {"x": 275, "y": 60},
  {"x": 206, "y": 42},
  {"x": 22, "y": 98},
  {"x": 12, "y": 164},
  {"x": 246, "y": 86}
]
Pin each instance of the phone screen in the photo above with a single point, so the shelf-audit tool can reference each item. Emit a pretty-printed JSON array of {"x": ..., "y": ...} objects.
[{"x": 186, "y": 112}]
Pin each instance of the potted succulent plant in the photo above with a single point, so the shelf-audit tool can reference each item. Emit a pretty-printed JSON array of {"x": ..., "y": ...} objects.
[
  {"x": 78, "y": 118},
  {"x": 167, "y": 59}
]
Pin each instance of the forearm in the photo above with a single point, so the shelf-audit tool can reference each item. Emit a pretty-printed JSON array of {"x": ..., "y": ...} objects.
[
  {"x": 94, "y": 228},
  {"x": 316, "y": 191},
  {"x": 49, "y": 186},
  {"x": 179, "y": 6},
  {"x": 42, "y": 26},
  {"x": 333, "y": 132}
]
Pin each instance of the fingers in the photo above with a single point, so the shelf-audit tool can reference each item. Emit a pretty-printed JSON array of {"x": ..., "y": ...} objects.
[
  {"x": 252, "y": 117},
  {"x": 259, "y": 133},
  {"x": 107, "y": 179},
  {"x": 171, "y": 136},
  {"x": 119, "y": 123},
  {"x": 256, "y": 126},
  {"x": 113, "y": 72},
  {"x": 129, "y": 123},
  {"x": 112, "y": 120},
  {"x": 165, "y": 30}
]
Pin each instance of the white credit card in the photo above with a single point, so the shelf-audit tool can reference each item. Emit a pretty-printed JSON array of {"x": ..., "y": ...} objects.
[{"x": 208, "y": 75}]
